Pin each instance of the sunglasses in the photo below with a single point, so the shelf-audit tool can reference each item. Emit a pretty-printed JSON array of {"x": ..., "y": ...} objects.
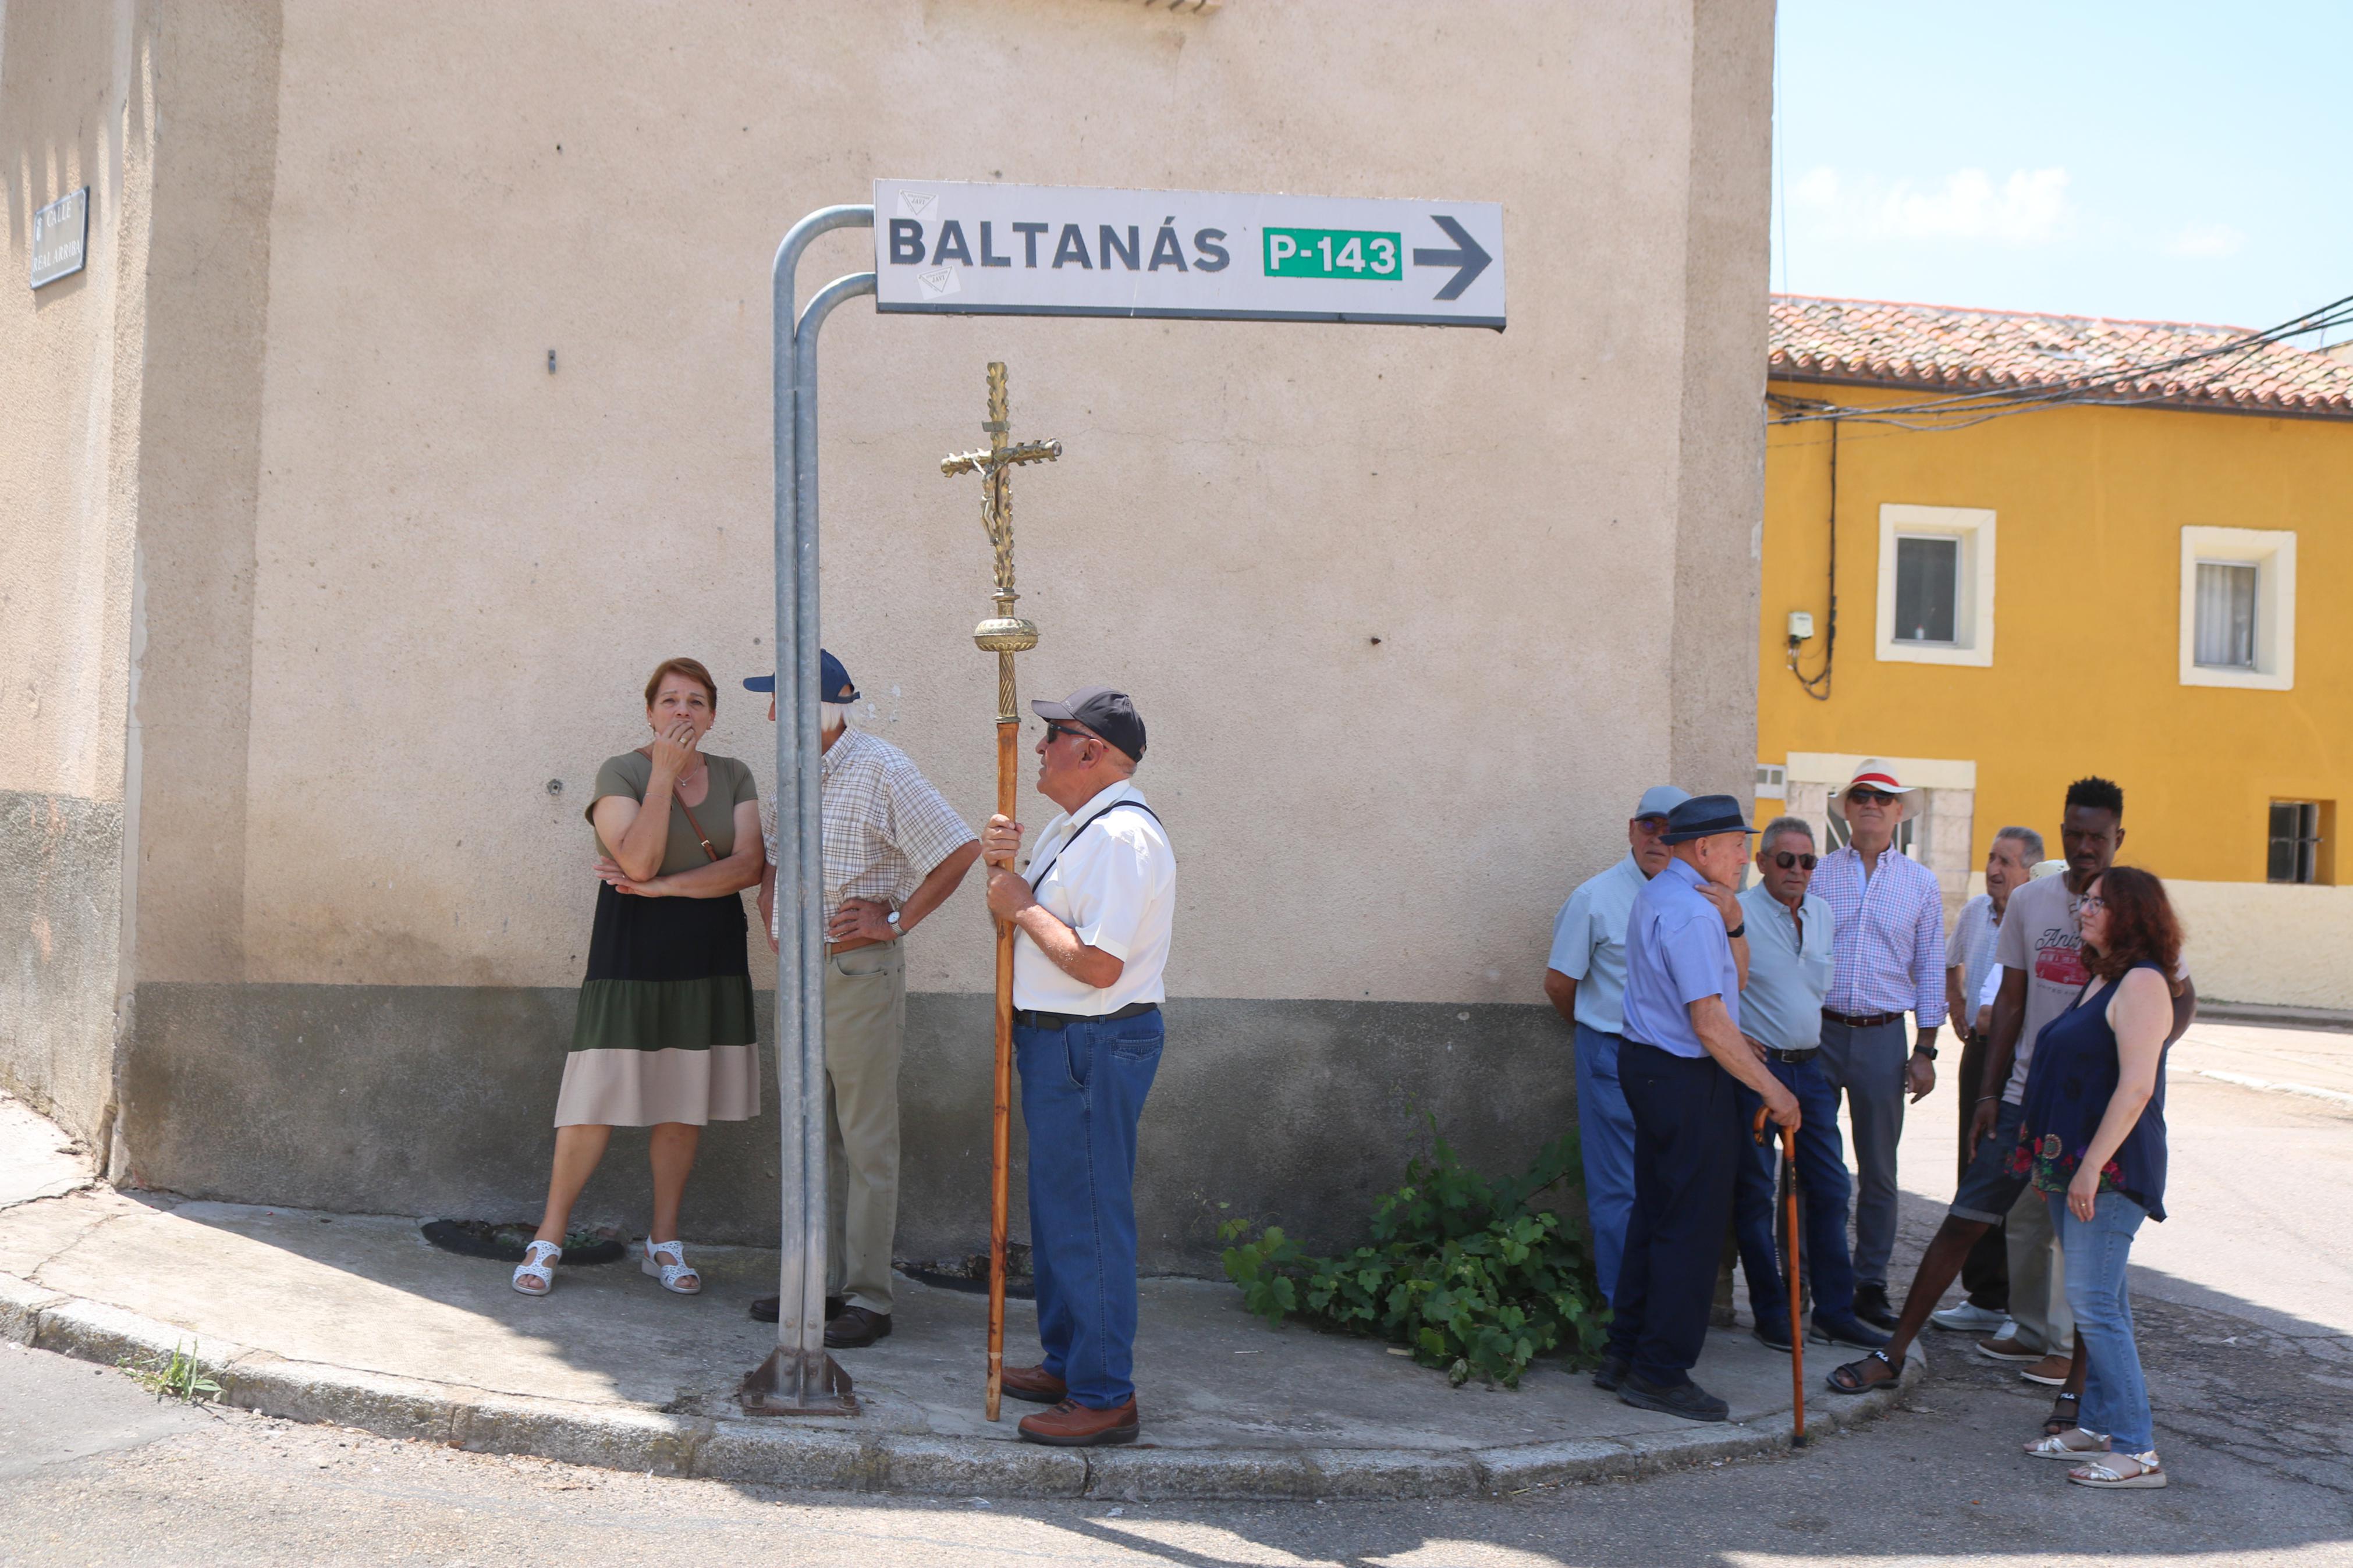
[
  {"x": 1786, "y": 859},
  {"x": 1866, "y": 797},
  {"x": 1055, "y": 731}
]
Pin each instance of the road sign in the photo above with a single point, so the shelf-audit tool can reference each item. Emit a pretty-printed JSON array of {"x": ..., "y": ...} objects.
[
  {"x": 60, "y": 237},
  {"x": 953, "y": 248}
]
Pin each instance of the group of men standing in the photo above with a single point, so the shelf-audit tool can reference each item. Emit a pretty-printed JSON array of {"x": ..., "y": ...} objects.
[{"x": 1695, "y": 1007}]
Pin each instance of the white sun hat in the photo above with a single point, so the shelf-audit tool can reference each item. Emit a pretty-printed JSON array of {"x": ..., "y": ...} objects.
[{"x": 1873, "y": 773}]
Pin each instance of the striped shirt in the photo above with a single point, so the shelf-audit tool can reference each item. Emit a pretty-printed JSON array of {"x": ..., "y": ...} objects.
[
  {"x": 885, "y": 827},
  {"x": 1890, "y": 929}
]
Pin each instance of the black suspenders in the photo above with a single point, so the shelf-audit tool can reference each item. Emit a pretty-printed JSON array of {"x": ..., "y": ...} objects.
[{"x": 1039, "y": 875}]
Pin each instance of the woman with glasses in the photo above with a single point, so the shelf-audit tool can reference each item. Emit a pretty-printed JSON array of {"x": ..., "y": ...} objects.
[{"x": 2093, "y": 1134}]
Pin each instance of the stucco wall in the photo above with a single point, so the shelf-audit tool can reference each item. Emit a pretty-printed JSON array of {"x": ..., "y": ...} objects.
[
  {"x": 2089, "y": 506},
  {"x": 2281, "y": 946},
  {"x": 74, "y": 112},
  {"x": 1412, "y": 612}
]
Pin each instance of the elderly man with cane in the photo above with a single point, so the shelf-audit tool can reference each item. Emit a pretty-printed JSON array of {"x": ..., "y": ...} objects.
[
  {"x": 1790, "y": 947},
  {"x": 1092, "y": 920},
  {"x": 1685, "y": 955}
]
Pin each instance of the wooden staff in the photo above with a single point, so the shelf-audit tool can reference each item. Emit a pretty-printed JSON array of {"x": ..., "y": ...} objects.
[
  {"x": 1797, "y": 1338},
  {"x": 1004, "y": 634}
]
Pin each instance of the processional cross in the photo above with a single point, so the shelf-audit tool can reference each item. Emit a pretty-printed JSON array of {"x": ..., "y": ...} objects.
[{"x": 1004, "y": 634}]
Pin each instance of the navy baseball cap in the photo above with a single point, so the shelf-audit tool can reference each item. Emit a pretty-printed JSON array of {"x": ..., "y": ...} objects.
[
  {"x": 833, "y": 683},
  {"x": 1703, "y": 816},
  {"x": 1107, "y": 712}
]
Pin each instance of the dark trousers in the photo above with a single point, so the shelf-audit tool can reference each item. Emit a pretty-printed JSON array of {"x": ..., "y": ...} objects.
[
  {"x": 1984, "y": 1272},
  {"x": 1686, "y": 1143},
  {"x": 1082, "y": 1090},
  {"x": 1821, "y": 1195}
]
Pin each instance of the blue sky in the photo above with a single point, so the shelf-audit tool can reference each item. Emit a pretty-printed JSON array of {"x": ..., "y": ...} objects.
[{"x": 2157, "y": 159}]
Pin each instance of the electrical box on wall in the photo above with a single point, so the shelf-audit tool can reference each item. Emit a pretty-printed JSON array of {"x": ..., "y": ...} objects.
[{"x": 1801, "y": 625}]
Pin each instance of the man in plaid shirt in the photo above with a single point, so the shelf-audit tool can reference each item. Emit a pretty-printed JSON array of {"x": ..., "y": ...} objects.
[
  {"x": 894, "y": 852},
  {"x": 1889, "y": 958}
]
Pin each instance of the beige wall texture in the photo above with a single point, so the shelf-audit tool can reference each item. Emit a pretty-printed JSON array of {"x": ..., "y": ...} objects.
[
  {"x": 466, "y": 564},
  {"x": 1414, "y": 614},
  {"x": 2279, "y": 945}
]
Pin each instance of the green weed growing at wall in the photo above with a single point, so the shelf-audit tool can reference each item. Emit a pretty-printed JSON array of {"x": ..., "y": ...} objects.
[{"x": 1466, "y": 1273}]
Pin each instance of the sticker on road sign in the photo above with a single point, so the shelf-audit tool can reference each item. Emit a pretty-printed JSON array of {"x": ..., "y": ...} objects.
[{"x": 982, "y": 249}]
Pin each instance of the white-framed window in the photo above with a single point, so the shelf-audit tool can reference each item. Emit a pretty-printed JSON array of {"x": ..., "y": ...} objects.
[
  {"x": 2238, "y": 607},
  {"x": 1772, "y": 780},
  {"x": 1936, "y": 584}
]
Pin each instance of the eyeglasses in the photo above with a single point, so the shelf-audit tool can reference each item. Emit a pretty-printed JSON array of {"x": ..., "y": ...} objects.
[
  {"x": 2094, "y": 903},
  {"x": 1866, "y": 797},
  {"x": 1052, "y": 731},
  {"x": 1786, "y": 858}
]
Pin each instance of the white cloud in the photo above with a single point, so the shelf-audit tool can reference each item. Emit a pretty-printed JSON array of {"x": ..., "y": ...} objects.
[
  {"x": 2206, "y": 239},
  {"x": 2028, "y": 209}
]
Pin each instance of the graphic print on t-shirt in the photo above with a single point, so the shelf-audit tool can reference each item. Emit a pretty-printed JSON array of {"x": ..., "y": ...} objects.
[{"x": 2059, "y": 956}]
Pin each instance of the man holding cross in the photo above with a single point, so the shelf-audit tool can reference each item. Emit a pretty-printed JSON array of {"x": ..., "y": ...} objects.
[{"x": 1092, "y": 920}]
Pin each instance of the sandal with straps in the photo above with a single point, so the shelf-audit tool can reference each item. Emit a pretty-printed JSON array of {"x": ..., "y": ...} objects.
[
  {"x": 2066, "y": 1412},
  {"x": 676, "y": 1277},
  {"x": 2071, "y": 1444},
  {"x": 2146, "y": 1472},
  {"x": 538, "y": 1268},
  {"x": 1846, "y": 1380}
]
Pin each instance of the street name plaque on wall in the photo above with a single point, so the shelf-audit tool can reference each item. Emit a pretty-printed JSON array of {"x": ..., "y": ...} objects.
[
  {"x": 60, "y": 237},
  {"x": 948, "y": 248}
]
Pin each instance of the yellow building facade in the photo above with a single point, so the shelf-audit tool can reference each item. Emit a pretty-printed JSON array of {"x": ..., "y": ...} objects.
[{"x": 2008, "y": 597}]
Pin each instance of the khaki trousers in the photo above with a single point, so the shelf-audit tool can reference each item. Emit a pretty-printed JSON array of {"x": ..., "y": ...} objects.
[
  {"x": 2038, "y": 1279},
  {"x": 865, "y": 1025}
]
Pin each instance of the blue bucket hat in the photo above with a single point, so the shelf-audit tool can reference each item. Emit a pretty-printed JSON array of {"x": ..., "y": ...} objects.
[{"x": 833, "y": 683}]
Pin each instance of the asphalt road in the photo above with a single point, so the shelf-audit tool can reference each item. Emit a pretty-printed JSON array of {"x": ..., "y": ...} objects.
[{"x": 2247, "y": 1331}]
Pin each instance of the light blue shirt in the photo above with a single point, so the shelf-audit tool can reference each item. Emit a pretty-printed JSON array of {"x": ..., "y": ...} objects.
[
  {"x": 1788, "y": 970},
  {"x": 1676, "y": 952},
  {"x": 1588, "y": 942}
]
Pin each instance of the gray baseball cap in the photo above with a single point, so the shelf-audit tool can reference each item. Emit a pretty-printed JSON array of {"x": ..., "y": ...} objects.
[{"x": 1660, "y": 800}]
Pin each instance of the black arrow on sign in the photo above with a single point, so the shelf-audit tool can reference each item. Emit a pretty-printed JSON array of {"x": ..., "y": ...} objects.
[{"x": 1470, "y": 257}]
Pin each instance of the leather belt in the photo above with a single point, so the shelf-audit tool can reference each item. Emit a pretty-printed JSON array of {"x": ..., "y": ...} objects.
[
  {"x": 1862, "y": 1020},
  {"x": 1775, "y": 1054},
  {"x": 1031, "y": 1018},
  {"x": 853, "y": 944}
]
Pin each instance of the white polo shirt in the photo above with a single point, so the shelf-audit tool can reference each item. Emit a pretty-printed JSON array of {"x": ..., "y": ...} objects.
[{"x": 1114, "y": 883}]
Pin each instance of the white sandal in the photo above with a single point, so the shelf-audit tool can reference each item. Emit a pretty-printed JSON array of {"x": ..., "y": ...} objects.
[
  {"x": 2072, "y": 1445},
  {"x": 539, "y": 1261},
  {"x": 2149, "y": 1473},
  {"x": 676, "y": 1277}
]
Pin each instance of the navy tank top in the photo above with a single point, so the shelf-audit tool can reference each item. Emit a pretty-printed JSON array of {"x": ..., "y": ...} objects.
[{"x": 2068, "y": 1087}]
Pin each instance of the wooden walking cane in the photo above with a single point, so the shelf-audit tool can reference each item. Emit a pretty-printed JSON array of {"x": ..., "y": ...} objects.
[
  {"x": 1004, "y": 634},
  {"x": 1797, "y": 1338}
]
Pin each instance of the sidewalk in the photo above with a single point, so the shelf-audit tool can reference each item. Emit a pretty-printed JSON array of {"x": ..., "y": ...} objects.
[{"x": 356, "y": 1320}]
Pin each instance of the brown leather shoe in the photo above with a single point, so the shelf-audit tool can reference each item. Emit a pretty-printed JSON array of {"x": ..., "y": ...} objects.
[
  {"x": 1071, "y": 1425},
  {"x": 1034, "y": 1384},
  {"x": 857, "y": 1327}
]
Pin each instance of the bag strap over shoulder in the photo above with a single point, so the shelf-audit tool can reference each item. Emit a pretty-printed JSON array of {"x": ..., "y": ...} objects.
[
  {"x": 1039, "y": 875},
  {"x": 700, "y": 836}
]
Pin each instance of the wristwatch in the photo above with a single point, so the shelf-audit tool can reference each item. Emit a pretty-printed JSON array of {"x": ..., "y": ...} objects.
[
  {"x": 892, "y": 918},
  {"x": 1740, "y": 930},
  {"x": 1928, "y": 1051}
]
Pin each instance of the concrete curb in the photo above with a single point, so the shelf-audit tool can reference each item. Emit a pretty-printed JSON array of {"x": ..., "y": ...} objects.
[{"x": 779, "y": 1453}]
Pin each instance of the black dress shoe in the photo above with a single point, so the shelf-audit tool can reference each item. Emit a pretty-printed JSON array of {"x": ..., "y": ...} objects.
[
  {"x": 1611, "y": 1372},
  {"x": 1686, "y": 1399},
  {"x": 764, "y": 1309},
  {"x": 1773, "y": 1333},
  {"x": 855, "y": 1327},
  {"x": 1870, "y": 1305},
  {"x": 1847, "y": 1331}
]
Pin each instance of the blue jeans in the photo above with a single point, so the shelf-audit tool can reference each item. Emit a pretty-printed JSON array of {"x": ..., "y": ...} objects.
[
  {"x": 2116, "y": 1399},
  {"x": 1604, "y": 1136},
  {"x": 1082, "y": 1090},
  {"x": 1822, "y": 1192}
]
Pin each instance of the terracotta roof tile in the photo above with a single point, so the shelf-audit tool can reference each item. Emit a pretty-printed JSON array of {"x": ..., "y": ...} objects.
[{"x": 1940, "y": 349}]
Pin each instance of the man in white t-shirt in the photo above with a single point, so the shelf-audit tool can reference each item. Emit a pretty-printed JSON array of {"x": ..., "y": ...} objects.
[
  {"x": 1092, "y": 922},
  {"x": 2041, "y": 954}
]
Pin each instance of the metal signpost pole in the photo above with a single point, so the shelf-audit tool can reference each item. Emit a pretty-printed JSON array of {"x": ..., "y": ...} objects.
[{"x": 799, "y": 1377}]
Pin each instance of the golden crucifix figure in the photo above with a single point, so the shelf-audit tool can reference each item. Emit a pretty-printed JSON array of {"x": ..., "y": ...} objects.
[{"x": 1004, "y": 634}]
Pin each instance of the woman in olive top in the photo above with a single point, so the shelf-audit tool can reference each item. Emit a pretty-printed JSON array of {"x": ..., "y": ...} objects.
[{"x": 664, "y": 1037}]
